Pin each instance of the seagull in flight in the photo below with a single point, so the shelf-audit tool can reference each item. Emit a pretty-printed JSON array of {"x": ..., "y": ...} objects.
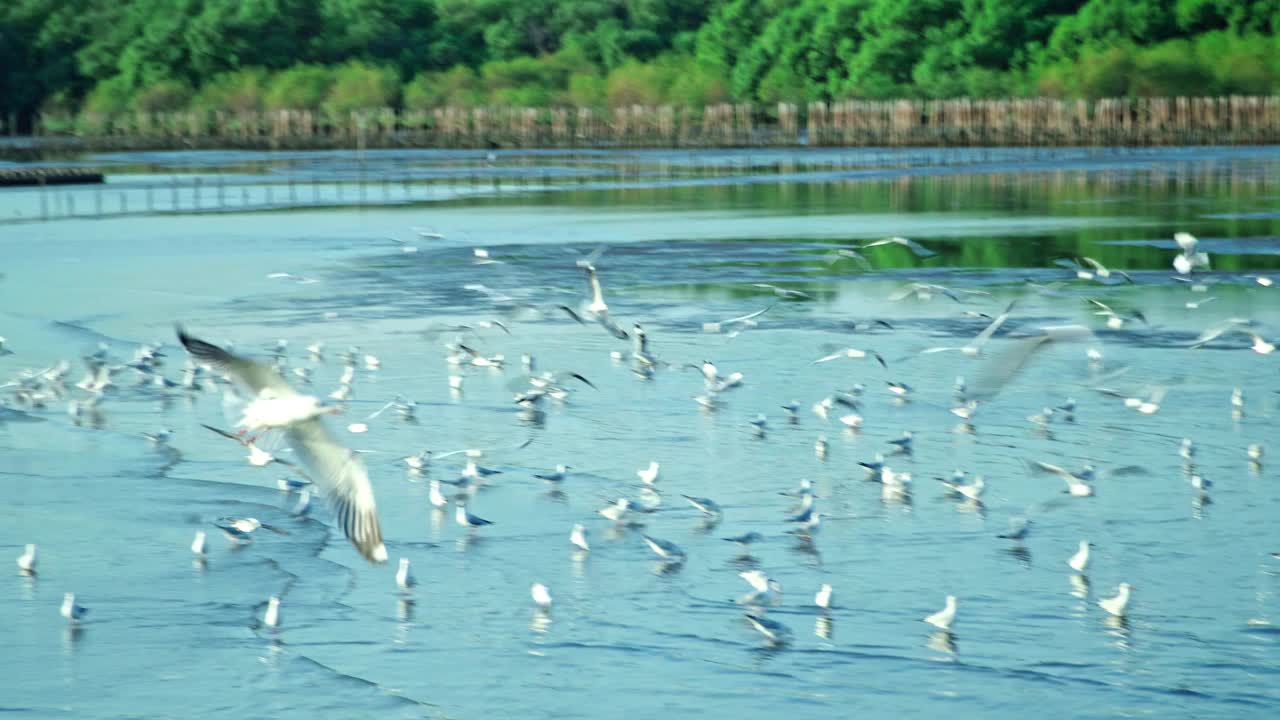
[
  {"x": 916, "y": 248},
  {"x": 334, "y": 468},
  {"x": 739, "y": 323},
  {"x": 1077, "y": 483},
  {"x": 974, "y": 347},
  {"x": 1190, "y": 258},
  {"x": 1000, "y": 370},
  {"x": 854, "y": 354},
  {"x": 596, "y": 308},
  {"x": 781, "y": 291}
]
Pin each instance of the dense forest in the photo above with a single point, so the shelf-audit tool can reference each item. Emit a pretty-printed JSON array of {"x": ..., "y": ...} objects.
[{"x": 105, "y": 56}]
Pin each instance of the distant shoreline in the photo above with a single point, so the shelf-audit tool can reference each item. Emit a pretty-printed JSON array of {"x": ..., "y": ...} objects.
[{"x": 1033, "y": 122}]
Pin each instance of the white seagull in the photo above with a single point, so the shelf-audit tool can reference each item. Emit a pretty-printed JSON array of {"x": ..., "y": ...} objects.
[
  {"x": 70, "y": 610},
  {"x": 1080, "y": 560},
  {"x": 334, "y": 468},
  {"x": 404, "y": 577},
  {"x": 853, "y": 354},
  {"x": 616, "y": 511},
  {"x": 944, "y": 617},
  {"x": 775, "y": 632},
  {"x": 707, "y": 506},
  {"x": 437, "y": 497},
  {"x": 916, "y": 248},
  {"x": 198, "y": 543},
  {"x": 974, "y": 347},
  {"x": 764, "y": 591},
  {"x": 558, "y": 475},
  {"x": 27, "y": 560},
  {"x": 1077, "y": 484},
  {"x": 664, "y": 549},
  {"x": 578, "y": 537},
  {"x": 541, "y": 595},
  {"x": 823, "y": 598},
  {"x": 649, "y": 475},
  {"x": 467, "y": 520},
  {"x": 271, "y": 618},
  {"x": 1119, "y": 604}
]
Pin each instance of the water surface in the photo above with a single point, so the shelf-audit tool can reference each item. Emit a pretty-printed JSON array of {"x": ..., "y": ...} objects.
[{"x": 688, "y": 236}]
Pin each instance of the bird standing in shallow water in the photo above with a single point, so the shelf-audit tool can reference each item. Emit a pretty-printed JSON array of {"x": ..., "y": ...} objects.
[
  {"x": 404, "y": 576},
  {"x": 578, "y": 538},
  {"x": 70, "y": 610},
  {"x": 467, "y": 520},
  {"x": 271, "y": 618},
  {"x": 944, "y": 618},
  {"x": 27, "y": 560},
  {"x": 823, "y": 598},
  {"x": 1080, "y": 560},
  {"x": 1118, "y": 605}
]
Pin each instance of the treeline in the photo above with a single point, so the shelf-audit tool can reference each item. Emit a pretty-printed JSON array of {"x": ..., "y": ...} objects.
[{"x": 111, "y": 56}]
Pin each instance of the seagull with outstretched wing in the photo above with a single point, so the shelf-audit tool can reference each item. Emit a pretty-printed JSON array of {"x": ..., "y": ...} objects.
[{"x": 333, "y": 467}]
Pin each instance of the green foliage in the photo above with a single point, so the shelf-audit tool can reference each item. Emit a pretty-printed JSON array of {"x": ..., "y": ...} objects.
[
  {"x": 109, "y": 97},
  {"x": 459, "y": 86},
  {"x": 637, "y": 83},
  {"x": 103, "y": 56},
  {"x": 301, "y": 87},
  {"x": 236, "y": 92},
  {"x": 164, "y": 96},
  {"x": 586, "y": 89},
  {"x": 360, "y": 86}
]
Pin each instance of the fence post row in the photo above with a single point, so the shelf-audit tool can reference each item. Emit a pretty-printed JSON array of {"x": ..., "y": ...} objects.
[{"x": 958, "y": 121}]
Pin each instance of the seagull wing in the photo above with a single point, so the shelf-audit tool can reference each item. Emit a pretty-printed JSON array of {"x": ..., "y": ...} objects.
[
  {"x": 999, "y": 371},
  {"x": 251, "y": 374},
  {"x": 224, "y": 433},
  {"x": 990, "y": 330},
  {"x": 612, "y": 327},
  {"x": 1061, "y": 472},
  {"x": 593, "y": 285},
  {"x": 570, "y": 312},
  {"x": 1105, "y": 308},
  {"x": 902, "y": 293},
  {"x": 749, "y": 316},
  {"x": 380, "y": 410},
  {"x": 340, "y": 473},
  {"x": 756, "y": 579},
  {"x": 915, "y": 247},
  {"x": 829, "y": 358}
]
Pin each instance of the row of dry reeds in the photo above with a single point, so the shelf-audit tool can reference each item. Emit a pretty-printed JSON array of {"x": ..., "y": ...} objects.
[{"x": 964, "y": 122}]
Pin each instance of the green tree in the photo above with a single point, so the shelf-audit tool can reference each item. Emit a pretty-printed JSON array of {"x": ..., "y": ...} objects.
[
  {"x": 398, "y": 33},
  {"x": 458, "y": 86},
  {"x": 240, "y": 91},
  {"x": 360, "y": 86},
  {"x": 301, "y": 87}
]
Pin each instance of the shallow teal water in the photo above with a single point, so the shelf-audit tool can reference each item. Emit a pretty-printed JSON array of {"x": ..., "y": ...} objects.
[{"x": 113, "y": 515}]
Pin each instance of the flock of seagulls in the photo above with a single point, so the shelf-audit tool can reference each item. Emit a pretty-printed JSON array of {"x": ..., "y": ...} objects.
[{"x": 320, "y": 463}]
